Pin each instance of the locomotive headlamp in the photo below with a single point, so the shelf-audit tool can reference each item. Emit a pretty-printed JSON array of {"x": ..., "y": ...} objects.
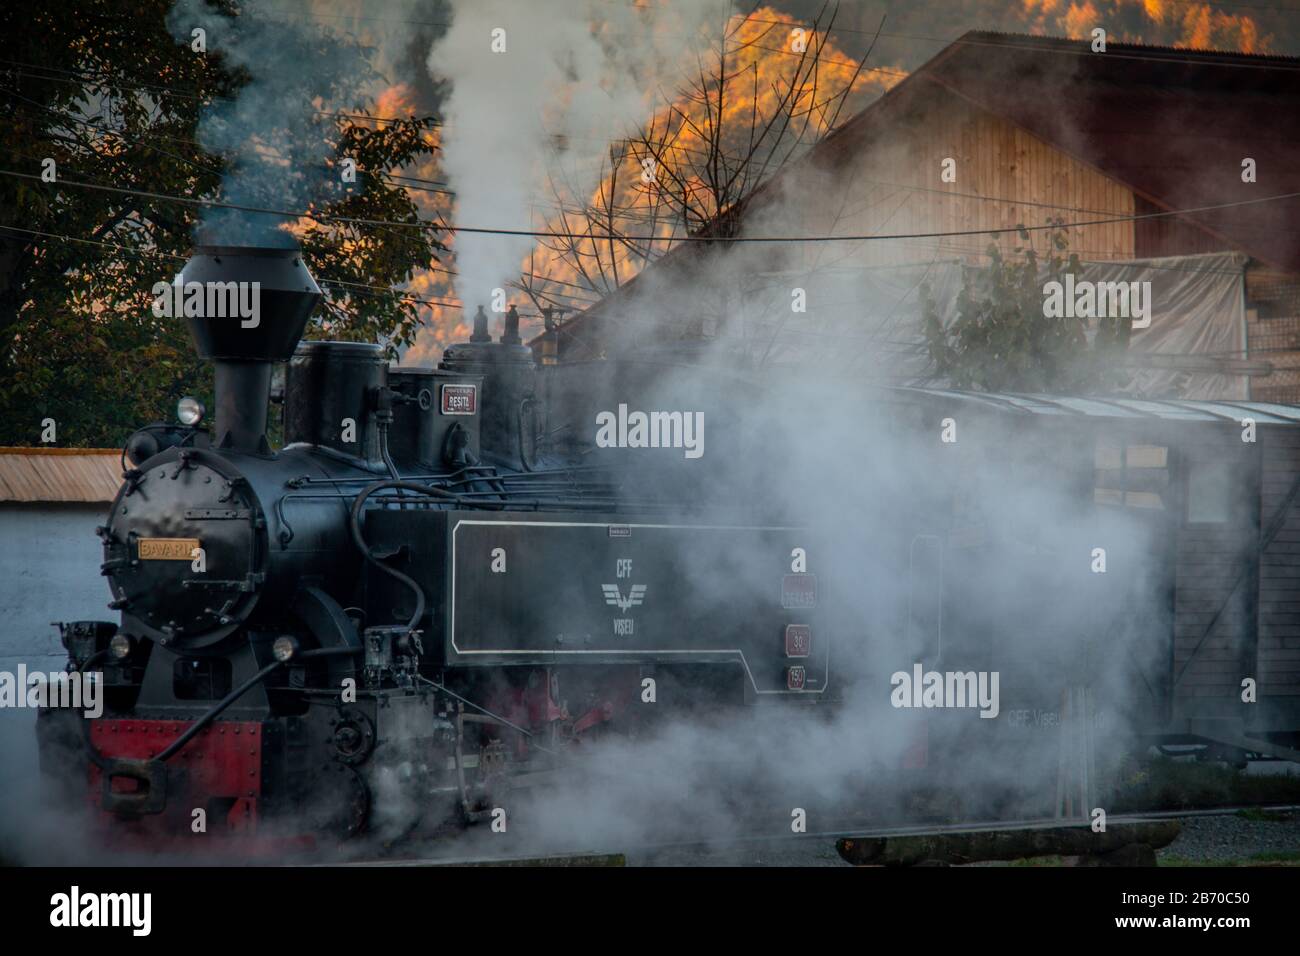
[
  {"x": 120, "y": 647},
  {"x": 284, "y": 648},
  {"x": 189, "y": 410}
]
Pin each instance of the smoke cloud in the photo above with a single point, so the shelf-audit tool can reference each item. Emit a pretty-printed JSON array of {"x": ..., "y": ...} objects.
[
  {"x": 830, "y": 456},
  {"x": 537, "y": 93},
  {"x": 278, "y": 133}
]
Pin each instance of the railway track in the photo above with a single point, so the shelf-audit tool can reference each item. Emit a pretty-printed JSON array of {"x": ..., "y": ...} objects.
[{"x": 620, "y": 856}]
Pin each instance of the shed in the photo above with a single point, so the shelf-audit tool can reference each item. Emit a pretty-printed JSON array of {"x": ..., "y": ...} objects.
[
  {"x": 1209, "y": 591},
  {"x": 51, "y": 500}
]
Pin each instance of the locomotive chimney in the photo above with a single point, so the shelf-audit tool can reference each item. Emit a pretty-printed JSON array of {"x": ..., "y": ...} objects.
[{"x": 255, "y": 303}]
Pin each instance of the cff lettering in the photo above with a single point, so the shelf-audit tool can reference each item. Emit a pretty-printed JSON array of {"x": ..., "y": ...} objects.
[{"x": 623, "y": 626}]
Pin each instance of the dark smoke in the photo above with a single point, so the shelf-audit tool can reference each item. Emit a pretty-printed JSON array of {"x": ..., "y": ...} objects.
[{"x": 278, "y": 137}]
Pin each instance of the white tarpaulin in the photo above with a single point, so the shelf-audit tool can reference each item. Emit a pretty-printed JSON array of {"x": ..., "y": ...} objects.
[
  {"x": 869, "y": 322},
  {"x": 1197, "y": 311},
  {"x": 862, "y": 321}
]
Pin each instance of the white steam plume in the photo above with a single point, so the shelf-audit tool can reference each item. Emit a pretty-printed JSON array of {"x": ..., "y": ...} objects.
[{"x": 540, "y": 90}]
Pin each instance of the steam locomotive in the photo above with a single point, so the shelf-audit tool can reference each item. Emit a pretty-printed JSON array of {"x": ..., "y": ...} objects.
[{"x": 439, "y": 583}]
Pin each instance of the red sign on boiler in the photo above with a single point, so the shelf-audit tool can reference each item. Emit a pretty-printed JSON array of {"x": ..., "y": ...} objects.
[
  {"x": 459, "y": 399},
  {"x": 798, "y": 640},
  {"x": 798, "y": 590}
]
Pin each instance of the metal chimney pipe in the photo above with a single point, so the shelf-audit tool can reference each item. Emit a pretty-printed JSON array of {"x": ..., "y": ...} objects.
[
  {"x": 243, "y": 348},
  {"x": 243, "y": 392}
]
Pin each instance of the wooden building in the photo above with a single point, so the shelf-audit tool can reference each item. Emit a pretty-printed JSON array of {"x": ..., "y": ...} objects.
[
  {"x": 1033, "y": 128},
  {"x": 51, "y": 499},
  {"x": 1200, "y": 591}
]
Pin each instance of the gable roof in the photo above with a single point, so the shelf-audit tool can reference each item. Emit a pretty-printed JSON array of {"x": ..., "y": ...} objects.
[{"x": 1173, "y": 125}]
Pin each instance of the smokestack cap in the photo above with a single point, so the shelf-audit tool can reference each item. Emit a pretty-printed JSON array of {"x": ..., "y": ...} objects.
[{"x": 285, "y": 296}]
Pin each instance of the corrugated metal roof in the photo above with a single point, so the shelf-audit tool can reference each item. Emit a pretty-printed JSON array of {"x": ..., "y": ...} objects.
[
  {"x": 1263, "y": 413},
  {"x": 90, "y": 475}
]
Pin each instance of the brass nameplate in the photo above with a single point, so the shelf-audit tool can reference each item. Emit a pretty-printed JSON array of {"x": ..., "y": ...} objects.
[{"x": 167, "y": 549}]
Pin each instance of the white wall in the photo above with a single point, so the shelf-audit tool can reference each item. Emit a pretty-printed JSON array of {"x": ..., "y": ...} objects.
[{"x": 49, "y": 571}]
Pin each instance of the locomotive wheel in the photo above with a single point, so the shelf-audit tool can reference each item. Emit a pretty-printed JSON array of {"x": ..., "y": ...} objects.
[
  {"x": 354, "y": 736},
  {"x": 357, "y": 812}
]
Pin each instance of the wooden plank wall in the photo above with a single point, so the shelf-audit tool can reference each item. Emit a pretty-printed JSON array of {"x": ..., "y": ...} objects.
[
  {"x": 1209, "y": 563},
  {"x": 1278, "y": 664},
  {"x": 1005, "y": 177},
  {"x": 887, "y": 180},
  {"x": 1168, "y": 237}
]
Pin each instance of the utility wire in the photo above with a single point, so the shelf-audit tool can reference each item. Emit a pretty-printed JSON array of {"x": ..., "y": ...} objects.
[
  {"x": 404, "y": 180},
  {"x": 325, "y": 218},
  {"x": 158, "y": 253}
]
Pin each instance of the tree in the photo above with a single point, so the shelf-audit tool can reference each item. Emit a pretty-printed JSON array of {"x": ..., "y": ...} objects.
[
  {"x": 757, "y": 99},
  {"x": 1001, "y": 341},
  {"x": 108, "y": 94}
]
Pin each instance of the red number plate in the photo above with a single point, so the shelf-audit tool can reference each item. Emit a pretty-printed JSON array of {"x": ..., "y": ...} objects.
[
  {"x": 799, "y": 590},
  {"x": 459, "y": 399},
  {"x": 794, "y": 677},
  {"x": 798, "y": 640}
]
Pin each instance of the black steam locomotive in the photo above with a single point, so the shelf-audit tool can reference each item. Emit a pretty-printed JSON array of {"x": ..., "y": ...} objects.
[{"x": 439, "y": 581}]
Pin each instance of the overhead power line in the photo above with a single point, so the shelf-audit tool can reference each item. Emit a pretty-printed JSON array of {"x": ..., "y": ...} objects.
[
  {"x": 431, "y": 185},
  {"x": 160, "y": 254},
  {"x": 325, "y": 218}
]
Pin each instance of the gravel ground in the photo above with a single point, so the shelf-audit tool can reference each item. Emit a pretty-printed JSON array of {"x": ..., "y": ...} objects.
[
  {"x": 813, "y": 851},
  {"x": 1224, "y": 838}
]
